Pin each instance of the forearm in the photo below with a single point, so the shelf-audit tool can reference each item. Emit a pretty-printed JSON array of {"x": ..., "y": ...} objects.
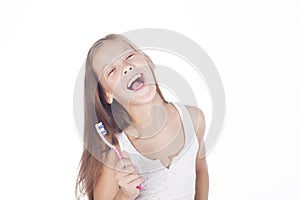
[
  {"x": 202, "y": 184},
  {"x": 121, "y": 196}
]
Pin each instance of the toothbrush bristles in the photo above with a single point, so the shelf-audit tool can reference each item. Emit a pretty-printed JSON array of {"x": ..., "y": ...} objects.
[{"x": 101, "y": 126}]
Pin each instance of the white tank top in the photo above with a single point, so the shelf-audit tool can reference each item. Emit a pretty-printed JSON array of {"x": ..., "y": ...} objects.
[{"x": 161, "y": 183}]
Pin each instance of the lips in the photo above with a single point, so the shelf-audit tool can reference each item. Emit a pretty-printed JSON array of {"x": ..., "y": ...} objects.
[{"x": 136, "y": 82}]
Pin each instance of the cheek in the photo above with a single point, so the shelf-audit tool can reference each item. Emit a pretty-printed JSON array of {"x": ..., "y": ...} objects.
[
  {"x": 106, "y": 86},
  {"x": 110, "y": 87},
  {"x": 111, "y": 84}
]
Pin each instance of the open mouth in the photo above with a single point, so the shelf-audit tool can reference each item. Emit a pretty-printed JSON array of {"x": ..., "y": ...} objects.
[{"x": 136, "y": 82}]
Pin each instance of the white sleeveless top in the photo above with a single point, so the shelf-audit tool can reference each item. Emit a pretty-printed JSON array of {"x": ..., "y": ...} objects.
[{"x": 161, "y": 183}]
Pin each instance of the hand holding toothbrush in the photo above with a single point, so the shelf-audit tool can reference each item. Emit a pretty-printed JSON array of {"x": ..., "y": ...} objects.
[
  {"x": 127, "y": 176},
  {"x": 125, "y": 173}
]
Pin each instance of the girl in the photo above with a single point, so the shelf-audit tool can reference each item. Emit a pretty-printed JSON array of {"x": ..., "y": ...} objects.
[{"x": 161, "y": 142}]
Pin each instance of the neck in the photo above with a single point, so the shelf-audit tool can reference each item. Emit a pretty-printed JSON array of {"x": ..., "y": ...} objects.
[
  {"x": 149, "y": 118},
  {"x": 142, "y": 114}
]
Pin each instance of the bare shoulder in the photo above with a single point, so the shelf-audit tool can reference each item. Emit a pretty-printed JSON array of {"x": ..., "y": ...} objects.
[
  {"x": 198, "y": 119},
  {"x": 106, "y": 186},
  {"x": 199, "y": 126}
]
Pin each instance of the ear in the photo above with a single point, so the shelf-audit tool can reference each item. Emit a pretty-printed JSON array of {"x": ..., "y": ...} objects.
[{"x": 109, "y": 98}]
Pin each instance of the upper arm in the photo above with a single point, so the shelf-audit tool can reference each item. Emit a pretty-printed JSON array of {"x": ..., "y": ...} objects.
[
  {"x": 199, "y": 126},
  {"x": 106, "y": 186}
]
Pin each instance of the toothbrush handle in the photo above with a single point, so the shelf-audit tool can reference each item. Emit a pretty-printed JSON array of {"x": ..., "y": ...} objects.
[
  {"x": 139, "y": 187},
  {"x": 118, "y": 153}
]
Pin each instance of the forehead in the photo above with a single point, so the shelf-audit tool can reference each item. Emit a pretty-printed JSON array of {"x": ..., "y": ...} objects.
[{"x": 109, "y": 51}]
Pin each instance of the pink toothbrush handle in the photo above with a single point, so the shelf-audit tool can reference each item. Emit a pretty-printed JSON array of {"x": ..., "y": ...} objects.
[
  {"x": 139, "y": 187},
  {"x": 118, "y": 153}
]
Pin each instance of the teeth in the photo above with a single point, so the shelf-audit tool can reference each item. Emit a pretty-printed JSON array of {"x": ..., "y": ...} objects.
[{"x": 133, "y": 79}]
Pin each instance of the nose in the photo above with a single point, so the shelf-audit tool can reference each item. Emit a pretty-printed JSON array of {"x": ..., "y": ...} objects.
[{"x": 127, "y": 69}]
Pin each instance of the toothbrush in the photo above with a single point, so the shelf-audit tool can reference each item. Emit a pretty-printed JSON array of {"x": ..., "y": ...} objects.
[{"x": 101, "y": 131}]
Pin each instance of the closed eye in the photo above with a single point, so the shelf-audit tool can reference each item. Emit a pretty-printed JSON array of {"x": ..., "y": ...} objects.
[
  {"x": 111, "y": 71},
  {"x": 130, "y": 56}
]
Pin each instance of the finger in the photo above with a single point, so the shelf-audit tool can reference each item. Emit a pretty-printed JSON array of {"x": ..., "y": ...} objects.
[
  {"x": 122, "y": 163},
  {"x": 132, "y": 177},
  {"x": 130, "y": 183},
  {"x": 136, "y": 182},
  {"x": 127, "y": 179},
  {"x": 131, "y": 189},
  {"x": 123, "y": 175},
  {"x": 128, "y": 169}
]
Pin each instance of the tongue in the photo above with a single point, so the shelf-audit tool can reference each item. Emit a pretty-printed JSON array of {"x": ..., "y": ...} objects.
[{"x": 137, "y": 85}]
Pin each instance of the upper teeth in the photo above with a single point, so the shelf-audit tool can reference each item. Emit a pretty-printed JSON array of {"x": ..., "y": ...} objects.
[{"x": 133, "y": 79}]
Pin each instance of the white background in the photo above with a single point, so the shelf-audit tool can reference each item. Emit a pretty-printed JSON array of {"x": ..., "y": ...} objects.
[{"x": 254, "y": 44}]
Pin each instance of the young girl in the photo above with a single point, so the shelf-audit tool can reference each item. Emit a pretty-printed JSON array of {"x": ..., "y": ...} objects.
[{"x": 161, "y": 142}]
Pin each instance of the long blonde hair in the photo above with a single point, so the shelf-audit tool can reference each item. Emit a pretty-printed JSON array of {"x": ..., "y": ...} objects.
[{"x": 96, "y": 109}]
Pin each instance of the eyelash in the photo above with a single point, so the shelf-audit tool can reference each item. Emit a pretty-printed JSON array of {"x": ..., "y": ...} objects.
[
  {"x": 128, "y": 57},
  {"x": 111, "y": 71}
]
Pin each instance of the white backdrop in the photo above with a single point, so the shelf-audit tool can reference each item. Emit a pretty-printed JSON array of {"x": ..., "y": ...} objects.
[{"x": 255, "y": 46}]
